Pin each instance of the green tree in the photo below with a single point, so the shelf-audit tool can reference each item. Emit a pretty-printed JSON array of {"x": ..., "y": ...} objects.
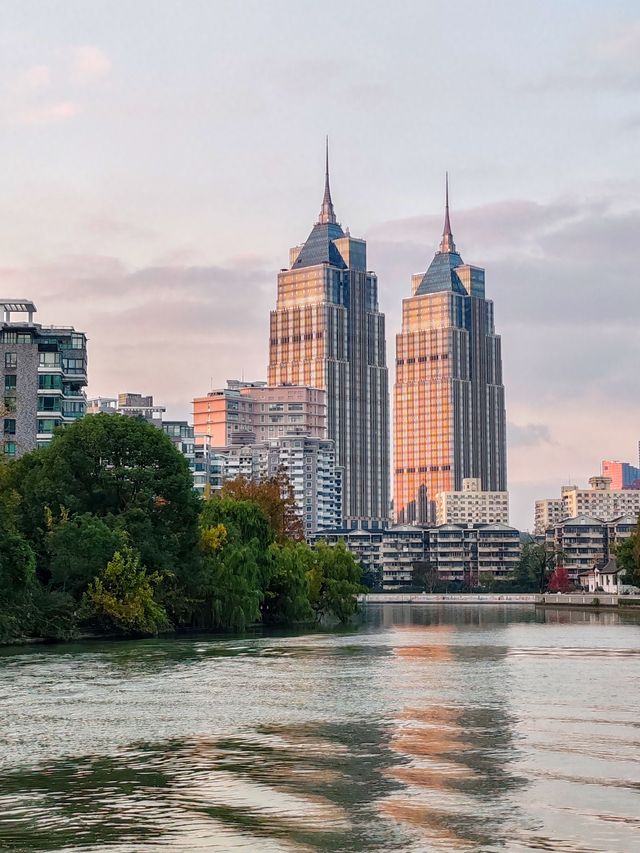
[
  {"x": 535, "y": 566},
  {"x": 17, "y": 581},
  {"x": 79, "y": 549},
  {"x": 122, "y": 597},
  {"x": 628, "y": 558},
  {"x": 286, "y": 598},
  {"x": 122, "y": 470},
  {"x": 228, "y": 587},
  {"x": 334, "y": 581}
]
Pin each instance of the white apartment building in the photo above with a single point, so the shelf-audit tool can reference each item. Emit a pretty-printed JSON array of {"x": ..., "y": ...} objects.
[
  {"x": 599, "y": 500},
  {"x": 472, "y": 505},
  {"x": 309, "y": 463},
  {"x": 548, "y": 513},
  {"x": 584, "y": 542}
]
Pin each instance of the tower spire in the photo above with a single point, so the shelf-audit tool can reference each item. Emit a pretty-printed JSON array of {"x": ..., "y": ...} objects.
[
  {"x": 447, "y": 244},
  {"x": 327, "y": 213}
]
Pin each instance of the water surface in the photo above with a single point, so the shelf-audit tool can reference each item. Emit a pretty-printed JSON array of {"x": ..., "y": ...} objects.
[{"x": 473, "y": 728}]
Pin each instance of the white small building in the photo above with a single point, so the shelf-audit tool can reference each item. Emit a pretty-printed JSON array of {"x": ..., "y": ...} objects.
[
  {"x": 472, "y": 505},
  {"x": 601, "y": 578}
]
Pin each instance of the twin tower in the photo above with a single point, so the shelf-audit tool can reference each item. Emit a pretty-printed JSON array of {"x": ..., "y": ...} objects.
[{"x": 449, "y": 415}]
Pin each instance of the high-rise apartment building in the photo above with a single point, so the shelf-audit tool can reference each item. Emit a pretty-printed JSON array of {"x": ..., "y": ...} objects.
[
  {"x": 43, "y": 373},
  {"x": 246, "y": 412},
  {"x": 309, "y": 463},
  {"x": 449, "y": 419},
  {"x": 327, "y": 332},
  {"x": 599, "y": 500},
  {"x": 547, "y": 513},
  {"x": 472, "y": 505}
]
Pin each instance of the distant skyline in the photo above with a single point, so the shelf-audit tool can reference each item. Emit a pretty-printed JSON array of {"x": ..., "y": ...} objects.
[{"x": 159, "y": 158}]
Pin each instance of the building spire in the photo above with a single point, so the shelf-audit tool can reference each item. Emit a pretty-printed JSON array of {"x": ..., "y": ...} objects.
[
  {"x": 327, "y": 214},
  {"x": 447, "y": 244}
]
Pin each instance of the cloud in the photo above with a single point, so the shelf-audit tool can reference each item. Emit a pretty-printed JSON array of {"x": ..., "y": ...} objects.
[
  {"x": 42, "y": 95},
  {"x": 165, "y": 330},
  {"x": 45, "y": 114},
  {"x": 528, "y": 435},
  {"x": 611, "y": 64},
  {"x": 89, "y": 63}
]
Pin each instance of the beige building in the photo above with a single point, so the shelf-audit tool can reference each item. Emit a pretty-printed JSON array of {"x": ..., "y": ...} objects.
[
  {"x": 599, "y": 500},
  {"x": 472, "y": 505},
  {"x": 548, "y": 513}
]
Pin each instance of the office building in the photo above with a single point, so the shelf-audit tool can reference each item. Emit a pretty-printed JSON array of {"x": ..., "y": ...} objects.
[
  {"x": 43, "y": 371},
  {"x": 327, "y": 332},
  {"x": 449, "y": 417},
  {"x": 471, "y": 505},
  {"x": 248, "y": 412}
]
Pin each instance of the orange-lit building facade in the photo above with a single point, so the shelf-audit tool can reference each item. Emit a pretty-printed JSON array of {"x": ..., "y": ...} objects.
[
  {"x": 328, "y": 332},
  {"x": 449, "y": 417},
  {"x": 250, "y": 412}
]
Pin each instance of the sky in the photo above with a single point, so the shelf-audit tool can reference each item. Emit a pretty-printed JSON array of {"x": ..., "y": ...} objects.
[{"x": 159, "y": 158}]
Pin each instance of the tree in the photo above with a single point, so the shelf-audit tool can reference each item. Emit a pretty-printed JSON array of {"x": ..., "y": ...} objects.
[
  {"x": 560, "y": 581},
  {"x": 17, "y": 580},
  {"x": 276, "y": 499},
  {"x": 122, "y": 597},
  {"x": 286, "y": 598},
  {"x": 536, "y": 563},
  {"x": 628, "y": 558},
  {"x": 228, "y": 587},
  {"x": 79, "y": 549},
  {"x": 424, "y": 576},
  {"x": 334, "y": 581},
  {"x": 119, "y": 469}
]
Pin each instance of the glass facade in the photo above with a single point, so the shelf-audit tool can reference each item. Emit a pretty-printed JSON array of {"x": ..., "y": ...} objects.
[
  {"x": 449, "y": 417},
  {"x": 327, "y": 332}
]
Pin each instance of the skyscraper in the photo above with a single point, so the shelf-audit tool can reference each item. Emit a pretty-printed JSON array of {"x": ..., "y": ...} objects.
[
  {"x": 327, "y": 332},
  {"x": 449, "y": 419}
]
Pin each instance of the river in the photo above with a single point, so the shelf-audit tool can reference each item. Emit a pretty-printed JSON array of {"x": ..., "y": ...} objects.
[{"x": 427, "y": 728}]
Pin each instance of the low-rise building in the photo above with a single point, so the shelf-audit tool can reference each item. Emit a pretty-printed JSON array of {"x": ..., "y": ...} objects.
[
  {"x": 601, "y": 578},
  {"x": 472, "y": 505},
  {"x": 43, "y": 374}
]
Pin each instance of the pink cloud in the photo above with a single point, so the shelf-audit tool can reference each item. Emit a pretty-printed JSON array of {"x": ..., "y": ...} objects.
[{"x": 89, "y": 63}]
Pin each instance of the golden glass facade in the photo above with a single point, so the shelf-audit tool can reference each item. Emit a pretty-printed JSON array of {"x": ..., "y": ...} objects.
[
  {"x": 449, "y": 416},
  {"x": 327, "y": 332}
]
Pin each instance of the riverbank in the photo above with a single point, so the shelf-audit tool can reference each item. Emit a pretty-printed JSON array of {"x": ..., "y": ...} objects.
[{"x": 588, "y": 599}]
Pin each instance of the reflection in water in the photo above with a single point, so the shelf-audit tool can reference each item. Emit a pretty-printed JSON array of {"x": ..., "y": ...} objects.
[{"x": 431, "y": 728}]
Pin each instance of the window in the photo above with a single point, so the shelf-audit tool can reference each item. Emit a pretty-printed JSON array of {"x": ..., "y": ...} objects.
[
  {"x": 10, "y": 382},
  {"x": 49, "y": 381},
  {"x": 49, "y": 359},
  {"x": 10, "y": 448},
  {"x": 10, "y": 360},
  {"x": 47, "y": 424},
  {"x": 9, "y": 426},
  {"x": 48, "y": 404}
]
